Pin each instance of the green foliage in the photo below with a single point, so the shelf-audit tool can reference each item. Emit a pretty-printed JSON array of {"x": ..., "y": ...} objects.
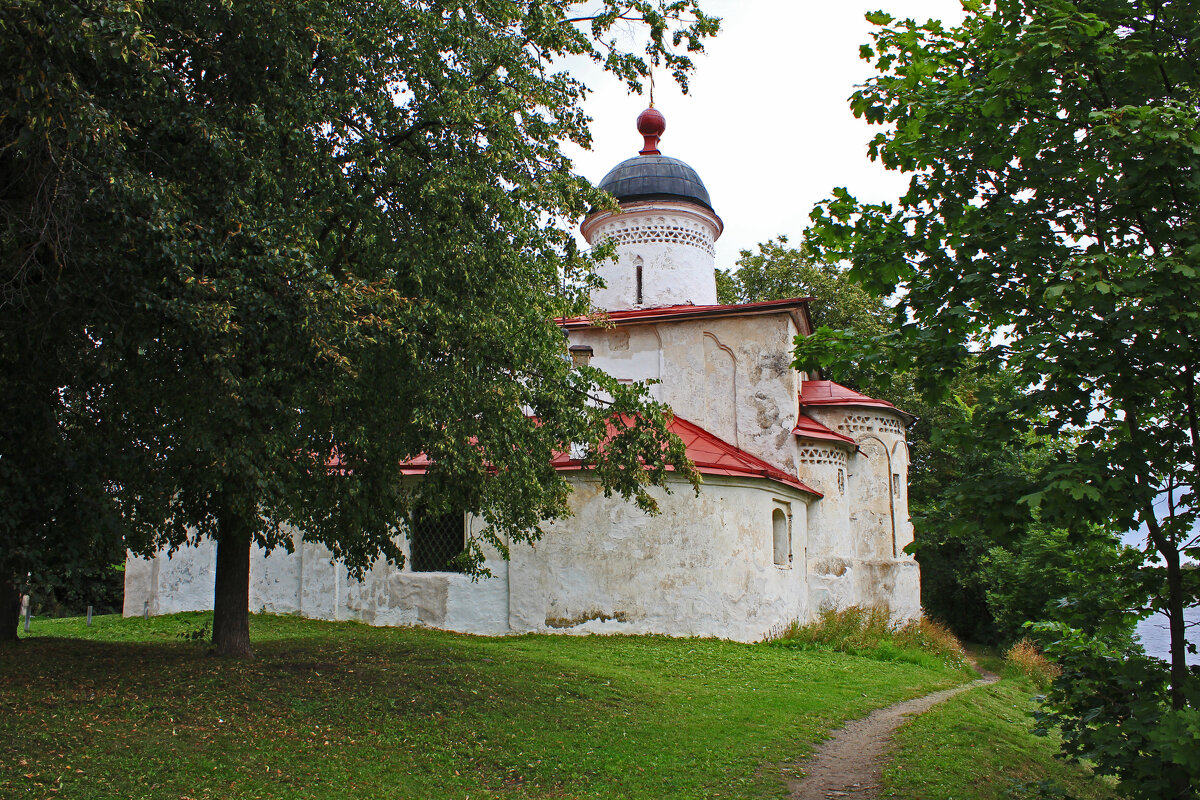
[
  {"x": 1087, "y": 579},
  {"x": 969, "y": 471},
  {"x": 272, "y": 255},
  {"x": 1050, "y": 231},
  {"x": 62, "y": 166},
  {"x": 988, "y": 562},
  {"x": 1112, "y": 700},
  {"x": 77, "y": 586}
]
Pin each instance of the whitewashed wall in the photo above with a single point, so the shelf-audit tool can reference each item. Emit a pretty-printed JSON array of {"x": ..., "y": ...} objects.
[
  {"x": 861, "y": 526},
  {"x": 703, "y": 567},
  {"x": 672, "y": 242},
  {"x": 731, "y": 375},
  {"x": 304, "y": 582}
]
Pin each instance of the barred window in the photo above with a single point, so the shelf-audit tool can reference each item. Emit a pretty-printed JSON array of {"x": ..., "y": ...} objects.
[{"x": 436, "y": 540}]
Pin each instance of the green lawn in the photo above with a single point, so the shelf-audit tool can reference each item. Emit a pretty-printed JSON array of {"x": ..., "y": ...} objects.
[
  {"x": 135, "y": 709},
  {"x": 980, "y": 745}
]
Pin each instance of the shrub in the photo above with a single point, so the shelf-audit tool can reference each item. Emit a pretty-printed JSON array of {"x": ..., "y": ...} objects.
[
  {"x": 1025, "y": 659},
  {"x": 871, "y": 632}
]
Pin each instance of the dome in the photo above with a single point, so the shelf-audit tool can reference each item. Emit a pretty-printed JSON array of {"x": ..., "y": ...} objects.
[{"x": 655, "y": 177}]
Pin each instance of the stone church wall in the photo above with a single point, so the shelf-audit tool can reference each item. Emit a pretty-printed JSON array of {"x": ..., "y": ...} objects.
[
  {"x": 705, "y": 566},
  {"x": 304, "y": 582},
  {"x": 731, "y": 376},
  {"x": 861, "y": 526}
]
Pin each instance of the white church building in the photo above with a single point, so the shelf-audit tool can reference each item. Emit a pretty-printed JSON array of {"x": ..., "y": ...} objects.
[{"x": 803, "y": 505}]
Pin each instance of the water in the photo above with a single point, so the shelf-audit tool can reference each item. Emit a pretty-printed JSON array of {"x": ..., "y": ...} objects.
[{"x": 1155, "y": 637}]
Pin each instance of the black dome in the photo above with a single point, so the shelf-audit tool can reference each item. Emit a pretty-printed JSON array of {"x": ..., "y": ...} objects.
[{"x": 655, "y": 178}]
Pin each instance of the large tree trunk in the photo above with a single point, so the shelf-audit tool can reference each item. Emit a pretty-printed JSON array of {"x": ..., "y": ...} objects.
[
  {"x": 10, "y": 609},
  {"x": 231, "y": 602}
]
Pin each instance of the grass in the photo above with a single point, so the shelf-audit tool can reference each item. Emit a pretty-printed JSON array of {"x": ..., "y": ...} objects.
[
  {"x": 135, "y": 708},
  {"x": 870, "y": 632},
  {"x": 980, "y": 745}
]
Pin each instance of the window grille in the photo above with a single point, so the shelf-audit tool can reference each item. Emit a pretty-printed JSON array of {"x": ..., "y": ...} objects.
[{"x": 436, "y": 539}]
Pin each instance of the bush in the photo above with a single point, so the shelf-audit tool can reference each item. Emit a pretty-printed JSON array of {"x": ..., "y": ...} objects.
[
  {"x": 1024, "y": 659},
  {"x": 1112, "y": 705},
  {"x": 870, "y": 632}
]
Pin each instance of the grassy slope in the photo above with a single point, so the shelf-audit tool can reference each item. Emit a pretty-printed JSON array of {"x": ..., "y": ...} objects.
[
  {"x": 340, "y": 710},
  {"x": 128, "y": 708},
  {"x": 980, "y": 745}
]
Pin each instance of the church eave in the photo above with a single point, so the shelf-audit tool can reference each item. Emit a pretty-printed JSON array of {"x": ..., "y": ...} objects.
[{"x": 641, "y": 316}]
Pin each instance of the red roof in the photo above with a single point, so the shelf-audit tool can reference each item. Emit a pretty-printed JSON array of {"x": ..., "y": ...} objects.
[
  {"x": 828, "y": 393},
  {"x": 711, "y": 455},
  {"x": 689, "y": 311},
  {"x": 809, "y": 428}
]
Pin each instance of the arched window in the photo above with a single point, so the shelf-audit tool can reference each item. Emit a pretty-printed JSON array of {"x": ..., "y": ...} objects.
[{"x": 781, "y": 538}]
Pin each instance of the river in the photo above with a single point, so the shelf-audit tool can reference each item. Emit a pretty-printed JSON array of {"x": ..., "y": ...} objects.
[{"x": 1157, "y": 639}]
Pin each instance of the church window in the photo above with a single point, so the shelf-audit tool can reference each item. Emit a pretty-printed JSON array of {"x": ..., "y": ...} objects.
[
  {"x": 435, "y": 540},
  {"x": 781, "y": 537},
  {"x": 841, "y": 481},
  {"x": 896, "y": 484},
  {"x": 638, "y": 278}
]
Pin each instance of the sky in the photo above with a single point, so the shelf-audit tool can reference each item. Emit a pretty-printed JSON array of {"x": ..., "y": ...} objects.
[{"x": 766, "y": 122}]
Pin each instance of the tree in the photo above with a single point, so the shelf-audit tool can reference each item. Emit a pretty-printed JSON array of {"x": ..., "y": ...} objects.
[
  {"x": 1050, "y": 228},
  {"x": 64, "y": 174},
  {"x": 333, "y": 240},
  {"x": 972, "y": 461},
  {"x": 989, "y": 564}
]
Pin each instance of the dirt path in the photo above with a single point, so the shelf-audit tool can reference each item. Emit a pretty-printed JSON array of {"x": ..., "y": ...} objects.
[{"x": 851, "y": 763}]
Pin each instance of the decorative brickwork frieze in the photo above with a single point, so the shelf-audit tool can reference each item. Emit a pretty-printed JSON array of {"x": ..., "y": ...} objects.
[
  {"x": 822, "y": 455},
  {"x": 658, "y": 229},
  {"x": 870, "y": 423}
]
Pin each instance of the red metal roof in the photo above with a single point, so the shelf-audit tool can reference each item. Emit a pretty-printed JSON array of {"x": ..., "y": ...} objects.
[
  {"x": 689, "y": 311},
  {"x": 828, "y": 393},
  {"x": 710, "y": 454},
  {"x": 809, "y": 428}
]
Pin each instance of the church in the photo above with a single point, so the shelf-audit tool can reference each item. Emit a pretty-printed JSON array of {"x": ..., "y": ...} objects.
[{"x": 803, "y": 505}]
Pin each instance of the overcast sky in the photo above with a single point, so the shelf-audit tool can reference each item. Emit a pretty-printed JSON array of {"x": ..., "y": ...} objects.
[{"x": 766, "y": 122}]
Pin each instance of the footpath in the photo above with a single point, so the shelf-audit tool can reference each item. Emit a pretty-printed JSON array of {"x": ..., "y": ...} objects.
[{"x": 850, "y": 764}]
